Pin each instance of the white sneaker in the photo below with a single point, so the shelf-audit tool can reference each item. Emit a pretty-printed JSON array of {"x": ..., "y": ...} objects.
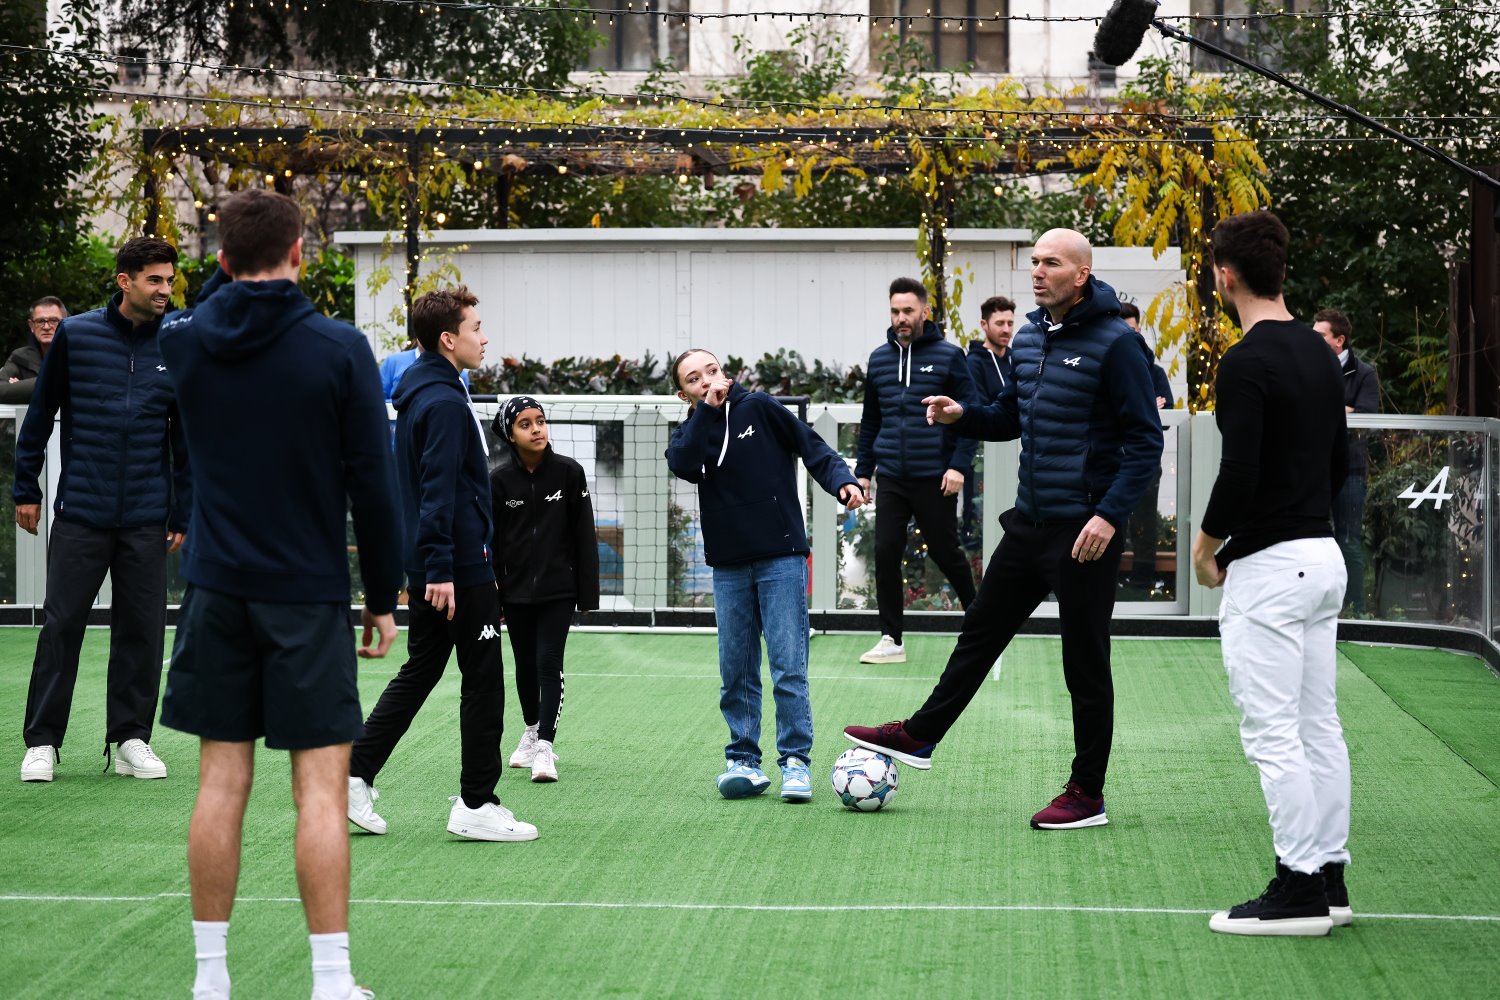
[
  {"x": 362, "y": 806},
  {"x": 488, "y": 822},
  {"x": 355, "y": 993},
  {"x": 37, "y": 764},
  {"x": 524, "y": 751},
  {"x": 210, "y": 995},
  {"x": 887, "y": 650},
  {"x": 544, "y": 762},
  {"x": 136, "y": 759}
]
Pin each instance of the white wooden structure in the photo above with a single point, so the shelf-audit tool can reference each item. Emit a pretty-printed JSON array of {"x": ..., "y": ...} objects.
[{"x": 555, "y": 293}]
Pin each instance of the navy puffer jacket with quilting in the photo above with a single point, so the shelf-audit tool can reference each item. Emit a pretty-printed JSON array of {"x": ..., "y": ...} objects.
[
  {"x": 894, "y": 437},
  {"x": 124, "y": 459},
  {"x": 1083, "y": 405}
]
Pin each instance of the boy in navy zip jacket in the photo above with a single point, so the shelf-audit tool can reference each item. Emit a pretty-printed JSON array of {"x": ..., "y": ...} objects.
[
  {"x": 741, "y": 448},
  {"x": 442, "y": 467}
]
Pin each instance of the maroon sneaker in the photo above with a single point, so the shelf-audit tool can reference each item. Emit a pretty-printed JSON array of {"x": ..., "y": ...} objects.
[
  {"x": 891, "y": 739},
  {"x": 1072, "y": 810}
]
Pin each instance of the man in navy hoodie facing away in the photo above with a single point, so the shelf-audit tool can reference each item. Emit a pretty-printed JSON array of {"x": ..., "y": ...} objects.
[
  {"x": 443, "y": 468},
  {"x": 741, "y": 449},
  {"x": 263, "y": 641},
  {"x": 122, "y": 502},
  {"x": 1082, "y": 405},
  {"x": 920, "y": 466}
]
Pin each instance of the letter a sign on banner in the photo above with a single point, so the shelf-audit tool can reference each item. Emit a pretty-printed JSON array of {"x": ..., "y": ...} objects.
[{"x": 1436, "y": 491}]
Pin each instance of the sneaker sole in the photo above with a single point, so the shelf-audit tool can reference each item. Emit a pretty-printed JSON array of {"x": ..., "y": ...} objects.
[
  {"x": 365, "y": 827},
  {"x": 739, "y": 787},
  {"x": 1078, "y": 824},
  {"x": 36, "y": 779},
  {"x": 1343, "y": 916},
  {"x": 787, "y": 796},
  {"x": 920, "y": 763},
  {"x": 867, "y": 658},
  {"x": 126, "y": 770},
  {"x": 520, "y": 761},
  {"x": 544, "y": 779},
  {"x": 490, "y": 836},
  {"x": 1282, "y": 927}
]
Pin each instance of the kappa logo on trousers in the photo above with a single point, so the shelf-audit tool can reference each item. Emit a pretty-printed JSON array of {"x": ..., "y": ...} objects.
[{"x": 488, "y": 632}]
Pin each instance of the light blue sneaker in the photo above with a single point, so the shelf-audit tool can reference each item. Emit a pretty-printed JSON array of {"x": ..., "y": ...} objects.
[
  {"x": 796, "y": 781},
  {"x": 741, "y": 780}
]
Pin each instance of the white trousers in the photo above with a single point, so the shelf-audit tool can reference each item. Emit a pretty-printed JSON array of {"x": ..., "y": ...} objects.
[{"x": 1279, "y": 622}]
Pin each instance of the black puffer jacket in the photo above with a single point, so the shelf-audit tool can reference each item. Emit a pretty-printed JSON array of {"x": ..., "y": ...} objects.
[{"x": 545, "y": 546}]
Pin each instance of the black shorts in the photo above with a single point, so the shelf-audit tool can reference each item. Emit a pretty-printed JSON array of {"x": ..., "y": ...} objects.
[{"x": 244, "y": 669}]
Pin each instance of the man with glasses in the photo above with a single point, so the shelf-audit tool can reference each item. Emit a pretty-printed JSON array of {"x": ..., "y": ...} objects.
[{"x": 18, "y": 375}]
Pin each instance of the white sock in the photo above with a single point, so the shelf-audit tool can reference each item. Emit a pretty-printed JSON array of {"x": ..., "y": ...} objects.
[
  {"x": 330, "y": 963},
  {"x": 211, "y": 945}
]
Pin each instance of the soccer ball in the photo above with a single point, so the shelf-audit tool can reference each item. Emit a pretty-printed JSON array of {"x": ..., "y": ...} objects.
[{"x": 864, "y": 780}]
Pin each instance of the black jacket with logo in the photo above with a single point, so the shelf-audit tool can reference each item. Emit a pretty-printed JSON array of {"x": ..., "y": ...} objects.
[{"x": 545, "y": 545}]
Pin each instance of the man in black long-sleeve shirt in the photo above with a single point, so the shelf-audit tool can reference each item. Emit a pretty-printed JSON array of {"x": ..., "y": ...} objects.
[{"x": 1280, "y": 410}]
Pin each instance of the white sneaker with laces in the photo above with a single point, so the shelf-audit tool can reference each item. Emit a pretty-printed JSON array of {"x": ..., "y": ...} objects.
[
  {"x": 136, "y": 759},
  {"x": 887, "y": 650},
  {"x": 362, "y": 806},
  {"x": 526, "y": 748},
  {"x": 37, "y": 764},
  {"x": 488, "y": 822},
  {"x": 544, "y": 762},
  {"x": 357, "y": 993}
]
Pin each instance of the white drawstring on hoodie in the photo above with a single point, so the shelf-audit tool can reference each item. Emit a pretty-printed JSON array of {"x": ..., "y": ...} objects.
[
  {"x": 903, "y": 354},
  {"x": 724, "y": 449},
  {"x": 477, "y": 422}
]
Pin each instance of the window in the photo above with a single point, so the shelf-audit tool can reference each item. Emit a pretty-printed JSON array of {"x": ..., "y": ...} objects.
[
  {"x": 636, "y": 42},
  {"x": 952, "y": 44},
  {"x": 1251, "y": 39}
]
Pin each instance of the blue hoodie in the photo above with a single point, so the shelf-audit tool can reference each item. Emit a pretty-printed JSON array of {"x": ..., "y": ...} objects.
[
  {"x": 743, "y": 456},
  {"x": 1084, "y": 408},
  {"x": 443, "y": 467},
  {"x": 286, "y": 429}
]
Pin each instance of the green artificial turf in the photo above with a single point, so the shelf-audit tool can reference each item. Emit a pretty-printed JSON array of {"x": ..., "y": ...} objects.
[{"x": 645, "y": 883}]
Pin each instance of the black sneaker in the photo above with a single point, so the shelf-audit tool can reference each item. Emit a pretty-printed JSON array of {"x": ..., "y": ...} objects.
[
  {"x": 1338, "y": 894},
  {"x": 1293, "y": 905}
]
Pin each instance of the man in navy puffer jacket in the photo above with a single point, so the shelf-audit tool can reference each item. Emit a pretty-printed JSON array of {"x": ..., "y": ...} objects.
[
  {"x": 122, "y": 502},
  {"x": 1083, "y": 405},
  {"x": 920, "y": 466}
]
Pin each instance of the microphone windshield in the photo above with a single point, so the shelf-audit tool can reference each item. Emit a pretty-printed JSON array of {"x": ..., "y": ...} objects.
[{"x": 1122, "y": 30}]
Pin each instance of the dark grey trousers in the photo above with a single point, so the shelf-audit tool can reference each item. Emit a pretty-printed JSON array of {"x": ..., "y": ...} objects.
[{"x": 77, "y": 559}]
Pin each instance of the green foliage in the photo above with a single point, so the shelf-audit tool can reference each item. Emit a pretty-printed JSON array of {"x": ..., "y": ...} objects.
[
  {"x": 1376, "y": 225},
  {"x": 786, "y": 373},
  {"x": 49, "y": 144},
  {"x": 613, "y": 376},
  {"x": 525, "y": 44},
  {"x": 814, "y": 65}
]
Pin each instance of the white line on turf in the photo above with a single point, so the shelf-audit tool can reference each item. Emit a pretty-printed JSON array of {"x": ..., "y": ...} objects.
[
  {"x": 701, "y": 677},
  {"x": 735, "y": 907}
]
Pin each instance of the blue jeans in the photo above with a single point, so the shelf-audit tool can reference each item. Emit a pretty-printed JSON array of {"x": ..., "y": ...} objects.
[
  {"x": 1348, "y": 531},
  {"x": 766, "y": 597}
]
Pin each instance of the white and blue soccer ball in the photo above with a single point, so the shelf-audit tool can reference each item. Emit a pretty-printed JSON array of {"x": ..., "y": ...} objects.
[{"x": 865, "y": 780}]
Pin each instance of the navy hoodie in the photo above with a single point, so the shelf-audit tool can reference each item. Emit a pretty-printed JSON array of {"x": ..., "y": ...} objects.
[
  {"x": 442, "y": 465},
  {"x": 895, "y": 438},
  {"x": 743, "y": 456},
  {"x": 287, "y": 430}
]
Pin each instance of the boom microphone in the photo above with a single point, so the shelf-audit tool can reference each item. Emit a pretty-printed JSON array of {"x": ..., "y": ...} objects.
[{"x": 1122, "y": 30}]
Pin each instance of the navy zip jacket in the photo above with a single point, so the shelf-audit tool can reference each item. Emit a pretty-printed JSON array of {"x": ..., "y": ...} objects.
[
  {"x": 894, "y": 436},
  {"x": 1159, "y": 384},
  {"x": 989, "y": 372},
  {"x": 287, "y": 429},
  {"x": 546, "y": 545},
  {"x": 443, "y": 467},
  {"x": 743, "y": 456},
  {"x": 1084, "y": 408},
  {"x": 124, "y": 459}
]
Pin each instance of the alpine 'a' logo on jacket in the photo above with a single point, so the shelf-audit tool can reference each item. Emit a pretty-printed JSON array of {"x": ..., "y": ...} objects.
[
  {"x": 1073, "y": 361},
  {"x": 553, "y": 496},
  {"x": 513, "y": 504},
  {"x": 747, "y": 432},
  {"x": 161, "y": 368},
  {"x": 925, "y": 368},
  {"x": 488, "y": 632}
]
